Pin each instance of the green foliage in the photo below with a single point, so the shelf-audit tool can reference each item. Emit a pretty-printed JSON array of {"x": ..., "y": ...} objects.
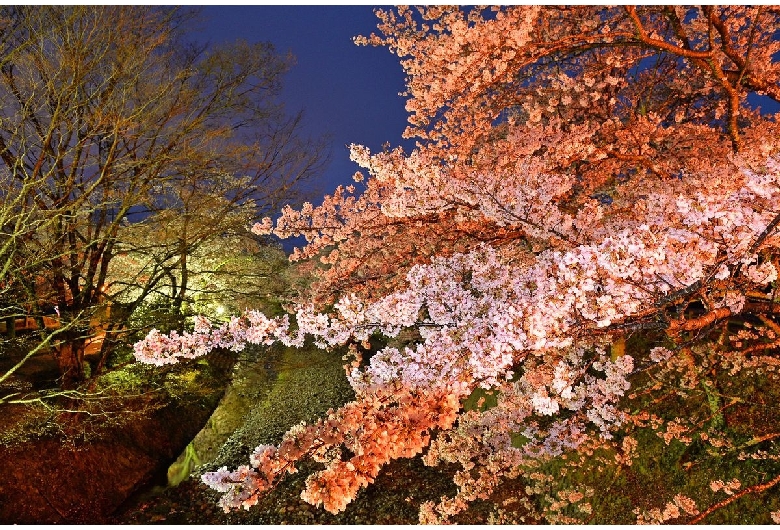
[
  {"x": 182, "y": 468},
  {"x": 481, "y": 400},
  {"x": 519, "y": 440},
  {"x": 127, "y": 380}
]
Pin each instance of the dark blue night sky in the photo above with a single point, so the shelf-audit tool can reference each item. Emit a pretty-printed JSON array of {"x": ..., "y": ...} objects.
[{"x": 347, "y": 91}]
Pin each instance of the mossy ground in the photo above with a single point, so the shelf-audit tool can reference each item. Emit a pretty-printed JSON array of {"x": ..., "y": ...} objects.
[{"x": 730, "y": 429}]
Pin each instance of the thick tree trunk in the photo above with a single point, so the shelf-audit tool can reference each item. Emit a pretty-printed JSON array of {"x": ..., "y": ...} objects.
[
  {"x": 111, "y": 337},
  {"x": 70, "y": 359}
]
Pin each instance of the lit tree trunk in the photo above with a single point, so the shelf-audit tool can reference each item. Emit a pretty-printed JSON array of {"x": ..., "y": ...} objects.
[
  {"x": 110, "y": 340},
  {"x": 69, "y": 353},
  {"x": 184, "y": 282}
]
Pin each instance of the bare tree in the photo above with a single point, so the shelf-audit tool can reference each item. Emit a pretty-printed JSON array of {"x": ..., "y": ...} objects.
[{"x": 109, "y": 119}]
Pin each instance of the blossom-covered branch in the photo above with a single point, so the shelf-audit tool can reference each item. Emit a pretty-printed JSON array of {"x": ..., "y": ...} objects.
[{"x": 563, "y": 192}]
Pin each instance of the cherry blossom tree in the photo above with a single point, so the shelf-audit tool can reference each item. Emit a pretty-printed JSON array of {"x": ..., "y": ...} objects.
[{"x": 581, "y": 174}]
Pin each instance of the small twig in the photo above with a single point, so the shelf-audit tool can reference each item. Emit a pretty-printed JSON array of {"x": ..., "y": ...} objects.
[{"x": 51, "y": 504}]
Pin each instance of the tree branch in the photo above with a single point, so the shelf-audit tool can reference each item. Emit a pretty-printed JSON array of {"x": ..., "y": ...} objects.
[{"x": 752, "y": 489}]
